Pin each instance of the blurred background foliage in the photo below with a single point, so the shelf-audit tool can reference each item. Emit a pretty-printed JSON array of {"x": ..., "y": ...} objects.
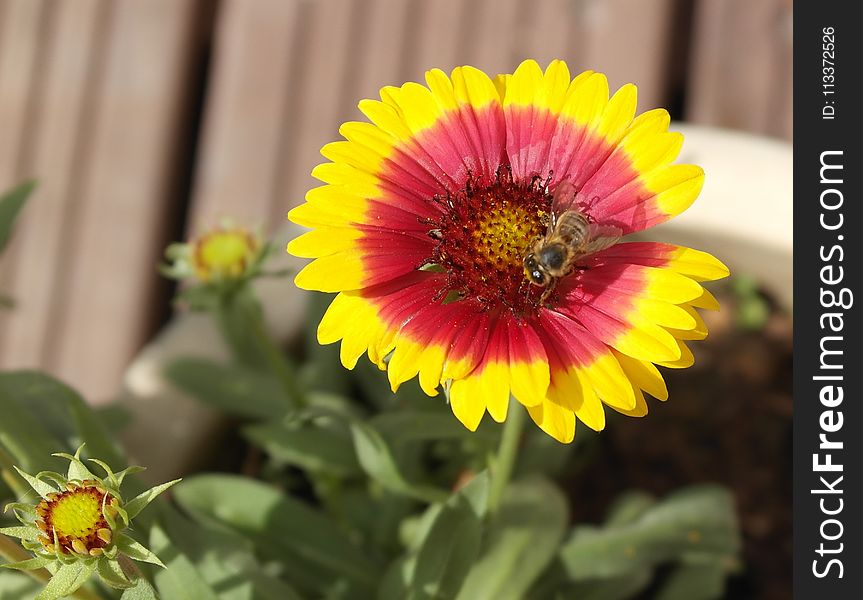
[{"x": 148, "y": 120}]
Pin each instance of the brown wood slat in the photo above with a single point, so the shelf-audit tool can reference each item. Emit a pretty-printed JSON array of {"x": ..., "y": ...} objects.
[
  {"x": 740, "y": 75},
  {"x": 382, "y": 52},
  {"x": 38, "y": 248},
  {"x": 321, "y": 86},
  {"x": 239, "y": 163},
  {"x": 104, "y": 298},
  {"x": 494, "y": 34},
  {"x": 20, "y": 22},
  {"x": 629, "y": 41},
  {"x": 436, "y": 32}
]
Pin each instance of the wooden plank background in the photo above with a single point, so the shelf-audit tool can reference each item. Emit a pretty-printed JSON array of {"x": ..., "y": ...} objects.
[{"x": 107, "y": 104}]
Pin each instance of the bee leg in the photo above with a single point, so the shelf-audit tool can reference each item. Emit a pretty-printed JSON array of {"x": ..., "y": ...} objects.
[{"x": 547, "y": 292}]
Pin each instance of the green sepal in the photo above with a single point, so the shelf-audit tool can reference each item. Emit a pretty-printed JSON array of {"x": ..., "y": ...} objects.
[
  {"x": 137, "y": 551},
  {"x": 110, "y": 572},
  {"x": 25, "y": 513},
  {"x": 128, "y": 471},
  {"x": 67, "y": 580},
  {"x": 77, "y": 469},
  {"x": 54, "y": 477},
  {"x": 24, "y": 533},
  {"x": 140, "y": 502},
  {"x": 38, "y": 562},
  {"x": 39, "y": 486}
]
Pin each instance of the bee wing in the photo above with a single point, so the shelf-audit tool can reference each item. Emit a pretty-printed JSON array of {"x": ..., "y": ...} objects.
[
  {"x": 563, "y": 198},
  {"x": 602, "y": 237}
]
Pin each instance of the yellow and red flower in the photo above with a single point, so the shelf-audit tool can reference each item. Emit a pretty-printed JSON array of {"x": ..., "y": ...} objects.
[{"x": 428, "y": 211}]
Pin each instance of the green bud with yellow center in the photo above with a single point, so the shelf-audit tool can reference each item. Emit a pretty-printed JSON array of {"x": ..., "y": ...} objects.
[{"x": 80, "y": 522}]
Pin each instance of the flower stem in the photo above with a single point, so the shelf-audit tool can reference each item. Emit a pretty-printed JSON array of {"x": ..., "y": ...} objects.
[
  {"x": 241, "y": 320},
  {"x": 503, "y": 462}
]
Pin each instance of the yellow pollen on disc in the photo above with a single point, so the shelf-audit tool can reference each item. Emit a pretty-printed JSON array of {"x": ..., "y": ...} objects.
[
  {"x": 77, "y": 514},
  {"x": 502, "y": 236},
  {"x": 224, "y": 254}
]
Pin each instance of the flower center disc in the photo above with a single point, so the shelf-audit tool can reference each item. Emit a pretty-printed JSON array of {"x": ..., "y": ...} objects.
[
  {"x": 76, "y": 517},
  {"x": 484, "y": 235}
]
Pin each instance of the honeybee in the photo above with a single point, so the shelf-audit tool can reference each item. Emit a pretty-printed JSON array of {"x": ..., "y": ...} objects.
[{"x": 570, "y": 237}]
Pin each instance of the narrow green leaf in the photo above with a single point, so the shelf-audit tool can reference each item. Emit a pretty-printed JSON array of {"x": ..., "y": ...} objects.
[
  {"x": 22, "y": 434},
  {"x": 234, "y": 389},
  {"x": 180, "y": 580},
  {"x": 628, "y": 508},
  {"x": 699, "y": 519},
  {"x": 39, "y": 486},
  {"x": 110, "y": 572},
  {"x": 27, "y": 565},
  {"x": 141, "y": 590},
  {"x": 315, "y": 553},
  {"x": 522, "y": 540},
  {"x": 62, "y": 413},
  {"x": 450, "y": 546},
  {"x": 324, "y": 449},
  {"x": 67, "y": 579},
  {"x": 137, "y": 551},
  {"x": 77, "y": 469},
  {"x": 11, "y": 204},
  {"x": 24, "y": 533},
  {"x": 394, "y": 583},
  {"x": 377, "y": 460},
  {"x": 137, "y": 504},
  {"x": 224, "y": 559}
]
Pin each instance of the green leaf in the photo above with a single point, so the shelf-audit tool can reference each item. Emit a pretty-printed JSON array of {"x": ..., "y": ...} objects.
[
  {"x": 314, "y": 552},
  {"x": 180, "y": 580},
  {"x": 27, "y": 565},
  {"x": 522, "y": 540},
  {"x": 451, "y": 544},
  {"x": 23, "y": 436},
  {"x": 141, "y": 590},
  {"x": 24, "y": 533},
  {"x": 629, "y": 507},
  {"x": 61, "y": 412},
  {"x": 10, "y": 205},
  {"x": 110, "y": 572},
  {"x": 317, "y": 448},
  {"x": 376, "y": 459},
  {"x": 137, "y": 551},
  {"x": 77, "y": 470},
  {"x": 699, "y": 519},
  {"x": 137, "y": 504},
  {"x": 15, "y": 586},
  {"x": 224, "y": 559},
  {"x": 39, "y": 486},
  {"x": 234, "y": 389},
  {"x": 67, "y": 579}
]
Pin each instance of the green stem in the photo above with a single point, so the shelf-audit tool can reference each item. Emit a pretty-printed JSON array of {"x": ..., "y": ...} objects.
[
  {"x": 503, "y": 462},
  {"x": 241, "y": 320},
  {"x": 278, "y": 365}
]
